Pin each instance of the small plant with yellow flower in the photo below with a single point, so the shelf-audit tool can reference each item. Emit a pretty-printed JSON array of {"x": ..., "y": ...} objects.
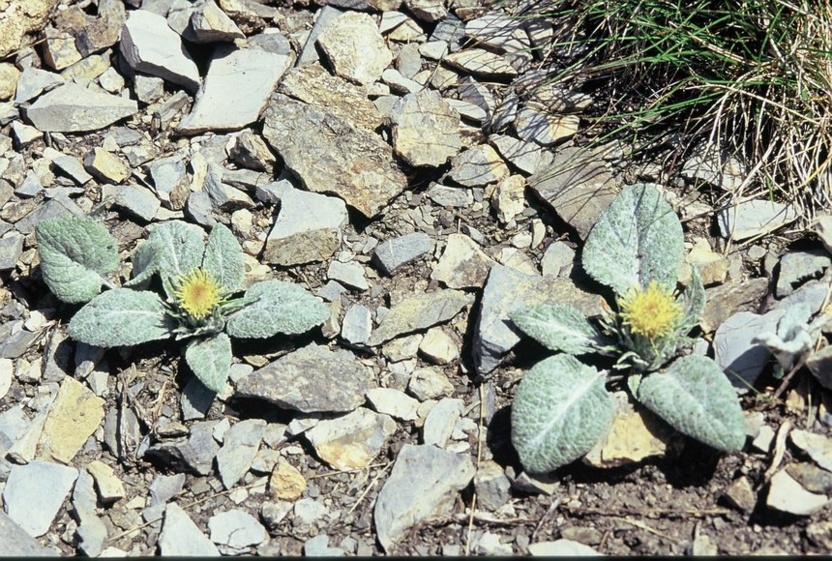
[
  {"x": 562, "y": 406},
  {"x": 201, "y": 283}
]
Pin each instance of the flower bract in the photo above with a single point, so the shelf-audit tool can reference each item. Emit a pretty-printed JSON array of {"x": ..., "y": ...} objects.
[
  {"x": 198, "y": 294},
  {"x": 652, "y": 312}
]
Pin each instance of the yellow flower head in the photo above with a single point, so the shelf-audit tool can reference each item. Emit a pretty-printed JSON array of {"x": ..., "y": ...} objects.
[
  {"x": 198, "y": 294},
  {"x": 652, "y": 312}
]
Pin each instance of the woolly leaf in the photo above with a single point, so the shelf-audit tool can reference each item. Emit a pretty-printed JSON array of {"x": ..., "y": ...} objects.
[
  {"x": 559, "y": 328},
  {"x": 560, "y": 411},
  {"x": 638, "y": 239},
  {"x": 278, "y": 307},
  {"x": 145, "y": 262},
  {"x": 210, "y": 359},
  {"x": 695, "y": 397},
  {"x": 121, "y": 317},
  {"x": 180, "y": 247},
  {"x": 693, "y": 301},
  {"x": 76, "y": 253},
  {"x": 224, "y": 259}
]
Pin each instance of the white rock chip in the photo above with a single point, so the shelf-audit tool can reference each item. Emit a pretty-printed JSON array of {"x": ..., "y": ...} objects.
[
  {"x": 181, "y": 537},
  {"x": 35, "y": 492},
  {"x": 150, "y": 46},
  {"x": 753, "y": 218},
  {"x": 234, "y": 531},
  {"x": 561, "y": 548},
  {"x": 440, "y": 422},
  {"x": 393, "y": 402},
  {"x": 787, "y": 495},
  {"x": 817, "y": 446},
  {"x": 74, "y": 108},
  {"x": 240, "y": 445},
  {"x": 236, "y": 89},
  {"x": 355, "y": 47},
  {"x": 429, "y": 383}
]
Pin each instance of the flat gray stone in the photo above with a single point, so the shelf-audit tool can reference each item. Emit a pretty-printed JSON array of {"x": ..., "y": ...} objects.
[
  {"x": 449, "y": 196},
  {"x": 210, "y": 24},
  {"x": 753, "y": 218},
  {"x": 137, "y": 201},
  {"x": 17, "y": 543},
  {"x": 395, "y": 253},
  {"x": 507, "y": 290},
  {"x": 425, "y": 129},
  {"x": 492, "y": 486},
  {"x": 786, "y": 495},
  {"x": 561, "y": 548},
  {"x": 235, "y": 91},
  {"x": 35, "y": 492},
  {"x": 33, "y": 82},
  {"x": 798, "y": 266},
  {"x": 525, "y": 156},
  {"x": 476, "y": 166},
  {"x": 463, "y": 263},
  {"x": 181, "y": 537},
  {"x": 11, "y": 247},
  {"x": 357, "y": 324},
  {"x": 350, "y": 274},
  {"x": 240, "y": 445},
  {"x": 71, "y": 166},
  {"x": 165, "y": 487},
  {"x": 544, "y": 128},
  {"x": 74, "y": 108},
  {"x": 194, "y": 454},
  {"x": 816, "y": 446},
  {"x": 330, "y": 155},
  {"x": 577, "y": 187},
  {"x": 557, "y": 260},
  {"x": 150, "y": 46},
  {"x": 420, "y": 312},
  {"x": 319, "y": 547},
  {"x": 302, "y": 381},
  {"x": 481, "y": 63},
  {"x": 735, "y": 351},
  {"x": 91, "y": 532},
  {"x": 325, "y": 16},
  {"x": 234, "y": 531},
  {"x": 440, "y": 422},
  {"x": 423, "y": 483},
  {"x": 393, "y": 402}
]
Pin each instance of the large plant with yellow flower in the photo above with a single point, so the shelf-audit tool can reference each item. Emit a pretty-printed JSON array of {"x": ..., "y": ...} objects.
[
  {"x": 201, "y": 300},
  {"x": 562, "y": 407}
]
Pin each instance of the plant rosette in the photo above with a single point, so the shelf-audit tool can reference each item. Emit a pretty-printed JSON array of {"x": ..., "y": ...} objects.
[
  {"x": 200, "y": 283},
  {"x": 562, "y": 406}
]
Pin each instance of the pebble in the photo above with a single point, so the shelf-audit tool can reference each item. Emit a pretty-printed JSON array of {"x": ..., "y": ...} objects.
[
  {"x": 181, "y": 537},
  {"x": 35, "y": 492},
  {"x": 61, "y": 111},
  {"x": 423, "y": 483},
  {"x": 165, "y": 487},
  {"x": 194, "y": 454},
  {"x": 481, "y": 63},
  {"x": 753, "y": 218},
  {"x": 319, "y": 547},
  {"x": 492, "y": 486},
  {"x": 33, "y": 82},
  {"x": 561, "y": 548},
  {"x": 350, "y": 274},
  {"x": 811, "y": 477},
  {"x": 440, "y": 422},
  {"x": 286, "y": 483},
  {"x": 509, "y": 198},
  {"x": 302, "y": 381},
  {"x": 557, "y": 260},
  {"x": 735, "y": 351},
  {"x": 786, "y": 495},
  {"x": 429, "y": 383},
  {"x": 741, "y": 494},
  {"x": 544, "y": 128},
  {"x": 110, "y": 488},
  {"x": 439, "y": 347},
  {"x": 353, "y": 440},
  {"x": 240, "y": 445},
  {"x": 393, "y": 402},
  {"x": 797, "y": 266},
  {"x": 11, "y": 248},
  {"x": 73, "y": 417},
  {"x": 105, "y": 166},
  {"x": 463, "y": 263},
  {"x": 307, "y": 512},
  {"x": 234, "y": 531},
  {"x": 816, "y": 446},
  {"x": 357, "y": 324},
  {"x": 210, "y": 24},
  {"x": 393, "y": 254}
]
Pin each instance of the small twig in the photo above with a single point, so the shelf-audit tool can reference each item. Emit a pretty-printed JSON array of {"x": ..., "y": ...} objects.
[
  {"x": 670, "y": 512},
  {"x": 644, "y": 527},
  {"x": 779, "y": 451},
  {"x": 470, "y": 525},
  {"x": 549, "y": 512},
  {"x": 367, "y": 490}
]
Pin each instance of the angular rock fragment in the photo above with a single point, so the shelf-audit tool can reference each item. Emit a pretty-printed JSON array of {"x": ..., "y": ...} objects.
[
  {"x": 577, "y": 187},
  {"x": 330, "y": 155},
  {"x": 210, "y": 24},
  {"x": 240, "y": 444},
  {"x": 352, "y": 441},
  {"x": 425, "y": 129},
  {"x": 477, "y": 166},
  {"x": 734, "y": 350},
  {"x": 150, "y": 46},
  {"x": 75, "y": 414},
  {"x": 463, "y": 263},
  {"x": 419, "y": 312},
  {"x": 395, "y": 253},
  {"x": 35, "y": 492},
  {"x": 235, "y": 91},
  {"x": 355, "y": 48},
  {"x": 525, "y": 156},
  {"x": 302, "y": 381},
  {"x": 423, "y": 483},
  {"x": 754, "y": 218},
  {"x": 482, "y": 63},
  {"x": 74, "y": 108},
  {"x": 181, "y": 537},
  {"x": 786, "y": 495},
  {"x": 18, "y": 543}
]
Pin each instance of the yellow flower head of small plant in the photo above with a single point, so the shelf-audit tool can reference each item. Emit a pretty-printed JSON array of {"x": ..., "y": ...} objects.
[
  {"x": 652, "y": 312},
  {"x": 198, "y": 294}
]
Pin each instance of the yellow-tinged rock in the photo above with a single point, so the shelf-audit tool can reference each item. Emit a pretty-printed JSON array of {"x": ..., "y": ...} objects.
[
  {"x": 106, "y": 166},
  {"x": 74, "y": 415},
  {"x": 286, "y": 483},
  {"x": 110, "y": 488},
  {"x": 8, "y": 80}
]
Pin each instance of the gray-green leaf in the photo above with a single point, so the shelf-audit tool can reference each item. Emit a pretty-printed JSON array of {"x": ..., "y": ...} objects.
[
  {"x": 693, "y": 301},
  {"x": 560, "y": 411},
  {"x": 695, "y": 397},
  {"x": 180, "y": 247},
  {"x": 638, "y": 239},
  {"x": 224, "y": 259},
  {"x": 559, "y": 328},
  {"x": 145, "y": 262},
  {"x": 210, "y": 359},
  {"x": 121, "y": 317},
  {"x": 280, "y": 307},
  {"x": 76, "y": 254}
]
